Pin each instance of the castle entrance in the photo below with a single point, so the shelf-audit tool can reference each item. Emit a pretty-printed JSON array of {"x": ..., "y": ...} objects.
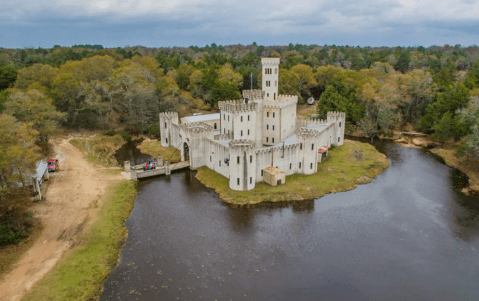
[{"x": 186, "y": 151}]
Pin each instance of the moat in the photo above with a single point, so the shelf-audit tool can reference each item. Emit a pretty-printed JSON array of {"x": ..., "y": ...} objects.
[{"x": 409, "y": 234}]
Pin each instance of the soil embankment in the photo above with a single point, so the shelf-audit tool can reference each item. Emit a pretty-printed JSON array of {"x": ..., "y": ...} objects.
[{"x": 71, "y": 200}]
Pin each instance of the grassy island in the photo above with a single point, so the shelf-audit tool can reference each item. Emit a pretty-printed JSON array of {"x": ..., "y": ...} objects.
[{"x": 345, "y": 167}]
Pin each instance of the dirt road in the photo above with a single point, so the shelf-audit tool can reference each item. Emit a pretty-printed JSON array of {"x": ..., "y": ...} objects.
[{"x": 71, "y": 199}]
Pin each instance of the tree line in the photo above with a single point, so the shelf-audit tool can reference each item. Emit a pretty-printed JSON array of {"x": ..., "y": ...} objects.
[{"x": 435, "y": 89}]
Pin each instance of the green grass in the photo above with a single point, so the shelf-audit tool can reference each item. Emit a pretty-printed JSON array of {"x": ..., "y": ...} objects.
[
  {"x": 81, "y": 274},
  {"x": 99, "y": 149},
  {"x": 341, "y": 171},
  {"x": 154, "y": 148}
]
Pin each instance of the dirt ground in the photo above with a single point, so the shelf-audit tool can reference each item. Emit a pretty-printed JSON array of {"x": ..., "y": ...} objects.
[{"x": 72, "y": 196}]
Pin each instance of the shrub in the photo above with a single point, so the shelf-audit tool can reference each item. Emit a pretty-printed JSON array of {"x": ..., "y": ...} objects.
[{"x": 10, "y": 235}]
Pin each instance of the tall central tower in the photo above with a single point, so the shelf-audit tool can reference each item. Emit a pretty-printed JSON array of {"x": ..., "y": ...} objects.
[{"x": 270, "y": 68}]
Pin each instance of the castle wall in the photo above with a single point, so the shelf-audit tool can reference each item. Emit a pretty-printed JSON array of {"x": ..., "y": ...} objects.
[
  {"x": 271, "y": 126},
  {"x": 215, "y": 153}
]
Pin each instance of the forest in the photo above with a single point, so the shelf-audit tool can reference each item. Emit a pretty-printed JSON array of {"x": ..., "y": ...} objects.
[{"x": 435, "y": 90}]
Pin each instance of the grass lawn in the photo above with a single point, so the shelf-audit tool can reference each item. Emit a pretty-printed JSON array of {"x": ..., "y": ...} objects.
[
  {"x": 81, "y": 273},
  {"x": 154, "y": 148},
  {"x": 346, "y": 166}
]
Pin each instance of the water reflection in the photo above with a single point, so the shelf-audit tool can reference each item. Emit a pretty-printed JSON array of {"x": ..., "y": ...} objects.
[
  {"x": 130, "y": 152},
  {"x": 393, "y": 239}
]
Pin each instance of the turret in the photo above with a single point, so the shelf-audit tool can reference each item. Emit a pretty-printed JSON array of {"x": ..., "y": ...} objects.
[
  {"x": 242, "y": 164},
  {"x": 339, "y": 120},
  {"x": 308, "y": 143},
  {"x": 270, "y": 68},
  {"x": 166, "y": 121}
]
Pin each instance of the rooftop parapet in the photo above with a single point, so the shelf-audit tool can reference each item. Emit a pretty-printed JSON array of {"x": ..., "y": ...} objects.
[
  {"x": 305, "y": 132},
  {"x": 169, "y": 115},
  {"x": 336, "y": 114},
  {"x": 269, "y": 61},
  {"x": 241, "y": 144},
  {"x": 238, "y": 105},
  {"x": 300, "y": 122},
  {"x": 281, "y": 102},
  {"x": 253, "y": 94},
  {"x": 197, "y": 127}
]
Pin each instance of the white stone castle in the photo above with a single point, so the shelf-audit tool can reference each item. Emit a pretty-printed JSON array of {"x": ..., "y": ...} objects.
[{"x": 253, "y": 138}]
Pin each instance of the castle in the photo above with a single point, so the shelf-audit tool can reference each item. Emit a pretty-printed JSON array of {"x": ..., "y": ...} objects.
[{"x": 253, "y": 139}]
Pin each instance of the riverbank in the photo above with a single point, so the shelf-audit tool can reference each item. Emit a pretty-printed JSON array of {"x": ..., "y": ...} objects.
[
  {"x": 79, "y": 198},
  {"x": 448, "y": 152},
  {"x": 347, "y": 166}
]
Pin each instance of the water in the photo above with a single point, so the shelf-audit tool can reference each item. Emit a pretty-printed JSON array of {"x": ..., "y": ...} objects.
[
  {"x": 409, "y": 234},
  {"x": 130, "y": 152}
]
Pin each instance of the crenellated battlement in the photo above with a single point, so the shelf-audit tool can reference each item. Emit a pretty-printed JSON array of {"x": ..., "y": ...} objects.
[
  {"x": 281, "y": 102},
  {"x": 276, "y": 148},
  {"x": 305, "y": 132},
  {"x": 169, "y": 115},
  {"x": 225, "y": 137},
  {"x": 300, "y": 122},
  {"x": 253, "y": 94},
  {"x": 336, "y": 114},
  {"x": 197, "y": 127},
  {"x": 269, "y": 61},
  {"x": 242, "y": 144},
  {"x": 237, "y": 106}
]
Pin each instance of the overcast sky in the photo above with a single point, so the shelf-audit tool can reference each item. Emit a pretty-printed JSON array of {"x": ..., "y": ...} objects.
[{"x": 163, "y": 23}]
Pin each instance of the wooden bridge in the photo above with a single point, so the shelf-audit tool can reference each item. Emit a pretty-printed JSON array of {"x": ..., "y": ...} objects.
[{"x": 136, "y": 172}]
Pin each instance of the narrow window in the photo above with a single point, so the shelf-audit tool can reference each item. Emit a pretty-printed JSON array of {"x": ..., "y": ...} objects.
[
  {"x": 340, "y": 124},
  {"x": 241, "y": 133},
  {"x": 228, "y": 132},
  {"x": 275, "y": 70},
  {"x": 224, "y": 131},
  {"x": 241, "y": 118},
  {"x": 216, "y": 126},
  {"x": 248, "y": 119},
  {"x": 267, "y": 126},
  {"x": 272, "y": 140},
  {"x": 228, "y": 117},
  {"x": 299, "y": 164},
  {"x": 251, "y": 180},
  {"x": 165, "y": 125},
  {"x": 311, "y": 166},
  {"x": 266, "y": 139},
  {"x": 250, "y": 159},
  {"x": 166, "y": 140},
  {"x": 267, "y": 114},
  {"x": 219, "y": 163},
  {"x": 273, "y": 127},
  {"x": 300, "y": 146},
  {"x": 210, "y": 158},
  {"x": 275, "y": 83},
  {"x": 237, "y": 181},
  {"x": 237, "y": 159},
  {"x": 339, "y": 138},
  {"x": 261, "y": 172},
  {"x": 312, "y": 146},
  {"x": 290, "y": 165},
  {"x": 273, "y": 114},
  {"x": 224, "y": 116},
  {"x": 248, "y": 132}
]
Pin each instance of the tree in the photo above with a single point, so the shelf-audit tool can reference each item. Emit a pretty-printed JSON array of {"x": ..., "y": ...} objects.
[
  {"x": 33, "y": 106},
  {"x": 224, "y": 90},
  {"x": 18, "y": 152},
  {"x": 8, "y": 75}
]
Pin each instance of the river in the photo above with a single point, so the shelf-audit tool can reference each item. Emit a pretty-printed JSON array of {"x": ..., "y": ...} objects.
[{"x": 409, "y": 234}]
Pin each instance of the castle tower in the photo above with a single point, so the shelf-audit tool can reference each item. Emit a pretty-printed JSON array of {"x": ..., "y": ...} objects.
[
  {"x": 257, "y": 97},
  {"x": 238, "y": 118},
  {"x": 166, "y": 121},
  {"x": 242, "y": 164},
  {"x": 270, "y": 69},
  {"x": 339, "y": 120},
  {"x": 308, "y": 143}
]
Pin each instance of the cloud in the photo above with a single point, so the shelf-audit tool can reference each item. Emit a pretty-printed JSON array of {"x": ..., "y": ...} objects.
[{"x": 268, "y": 20}]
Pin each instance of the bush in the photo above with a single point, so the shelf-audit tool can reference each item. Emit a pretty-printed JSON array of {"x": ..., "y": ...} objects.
[
  {"x": 109, "y": 133},
  {"x": 125, "y": 135},
  {"x": 10, "y": 235}
]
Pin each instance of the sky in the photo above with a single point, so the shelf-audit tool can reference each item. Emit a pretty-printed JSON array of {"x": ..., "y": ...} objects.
[{"x": 168, "y": 23}]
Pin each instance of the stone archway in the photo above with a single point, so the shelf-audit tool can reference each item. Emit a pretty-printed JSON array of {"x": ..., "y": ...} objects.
[{"x": 186, "y": 151}]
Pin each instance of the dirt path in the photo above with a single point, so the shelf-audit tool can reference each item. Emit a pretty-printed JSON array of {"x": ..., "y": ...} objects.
[{"x": 70, "y": 200}]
